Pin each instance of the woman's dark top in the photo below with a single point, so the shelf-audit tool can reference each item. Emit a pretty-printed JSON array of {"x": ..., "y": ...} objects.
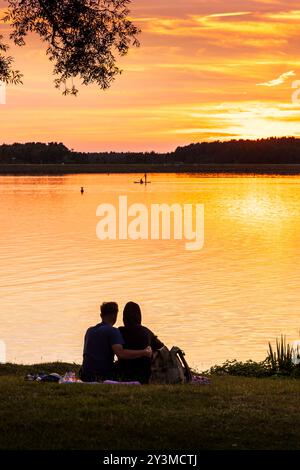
[{"x": 137, "y": 337}]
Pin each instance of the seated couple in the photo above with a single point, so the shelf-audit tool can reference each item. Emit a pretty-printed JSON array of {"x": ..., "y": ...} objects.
[{"x": 132, "y": 344}]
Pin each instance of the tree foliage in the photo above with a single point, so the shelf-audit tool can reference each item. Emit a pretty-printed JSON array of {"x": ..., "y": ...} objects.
[
  {"x": 272, "y": 150},
  {"x": 34, "y": 152},
  {"x": 83, "y": 38},
  {"x": 7, "y": 74}
]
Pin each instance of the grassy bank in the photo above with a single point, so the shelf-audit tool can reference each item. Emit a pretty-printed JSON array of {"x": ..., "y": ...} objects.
[
  {"x": 54, "y": 170},
  {"x": 230, "y": 413}
]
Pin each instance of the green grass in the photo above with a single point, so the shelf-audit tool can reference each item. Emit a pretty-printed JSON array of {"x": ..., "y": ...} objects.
[{"x": 230, "y": 413}]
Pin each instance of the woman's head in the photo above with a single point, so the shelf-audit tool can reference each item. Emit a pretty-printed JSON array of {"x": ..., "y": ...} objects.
[{"x": 132, "y": 315}]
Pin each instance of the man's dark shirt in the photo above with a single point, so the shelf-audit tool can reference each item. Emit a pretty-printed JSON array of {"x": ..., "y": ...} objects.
[
  {"x": 137, "y": 337},
  {"x": 98, "y": 355}
]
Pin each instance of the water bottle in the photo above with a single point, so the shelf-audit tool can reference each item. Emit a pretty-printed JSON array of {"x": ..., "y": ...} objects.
[
  {"x": 72, "y": 377},
  {"x": 69, "y": 377}
]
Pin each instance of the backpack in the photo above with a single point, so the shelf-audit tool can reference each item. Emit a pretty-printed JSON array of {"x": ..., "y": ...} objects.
[{"x": 169, "y": 367}]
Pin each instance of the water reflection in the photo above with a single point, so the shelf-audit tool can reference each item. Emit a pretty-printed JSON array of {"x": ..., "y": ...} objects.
[{"x": 224, "y": 301}]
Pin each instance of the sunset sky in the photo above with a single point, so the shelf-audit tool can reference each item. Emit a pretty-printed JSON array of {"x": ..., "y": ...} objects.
[{"x": 205, "y": 70}]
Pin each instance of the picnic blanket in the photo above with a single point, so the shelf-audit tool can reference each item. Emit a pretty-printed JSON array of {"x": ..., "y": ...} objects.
[{"x": 70, "y": 378}]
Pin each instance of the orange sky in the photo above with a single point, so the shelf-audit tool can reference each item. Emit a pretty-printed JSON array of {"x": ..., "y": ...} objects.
[{"x": 204, "y": 71}]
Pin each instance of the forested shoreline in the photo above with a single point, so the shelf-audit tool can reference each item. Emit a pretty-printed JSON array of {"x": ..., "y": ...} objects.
[{"x": 285, "y": 150}]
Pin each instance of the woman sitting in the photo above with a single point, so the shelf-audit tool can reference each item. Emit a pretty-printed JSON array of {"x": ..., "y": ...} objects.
[{"x": 136, "y": 337}]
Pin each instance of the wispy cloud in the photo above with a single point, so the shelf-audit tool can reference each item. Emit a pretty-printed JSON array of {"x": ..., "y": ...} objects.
[
  {"x": 235, "y": 13},
  {"x": 278, "y": 81},
  {"x": 285, "y": 15}
]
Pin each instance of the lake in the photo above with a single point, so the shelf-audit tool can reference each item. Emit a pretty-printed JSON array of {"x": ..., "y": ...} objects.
[{"x": 224, "y": 301}]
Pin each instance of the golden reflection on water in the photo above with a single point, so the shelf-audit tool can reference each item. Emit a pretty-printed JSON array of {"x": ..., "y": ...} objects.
[{"x": 225, "y": 301}]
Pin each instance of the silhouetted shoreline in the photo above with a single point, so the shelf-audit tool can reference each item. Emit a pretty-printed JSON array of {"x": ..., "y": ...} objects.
[
  {"x": 68, "y": 169},
  {"x": 264, "y": 156}
]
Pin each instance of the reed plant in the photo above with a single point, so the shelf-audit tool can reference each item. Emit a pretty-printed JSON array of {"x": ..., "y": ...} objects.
[{"x": 281, "y": 358}]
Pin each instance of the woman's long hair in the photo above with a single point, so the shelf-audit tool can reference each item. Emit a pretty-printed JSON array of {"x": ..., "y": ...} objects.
[{"x": 132, "y": 315}]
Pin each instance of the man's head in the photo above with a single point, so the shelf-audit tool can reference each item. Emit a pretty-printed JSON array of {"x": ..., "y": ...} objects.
[{"x": 109, "y": 312}]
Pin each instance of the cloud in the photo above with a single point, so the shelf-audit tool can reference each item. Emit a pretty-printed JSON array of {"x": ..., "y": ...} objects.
[
  {"x": 293, "y": 15},
  {"x": 236, "y": 13},
  {"x": 243, "y": 120},
  {"x": 278, "y": 81},
  {"x": 252, "y": 32}
]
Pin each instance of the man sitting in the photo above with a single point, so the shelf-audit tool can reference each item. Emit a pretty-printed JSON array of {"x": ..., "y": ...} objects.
[{"x": 101, "y": 343}]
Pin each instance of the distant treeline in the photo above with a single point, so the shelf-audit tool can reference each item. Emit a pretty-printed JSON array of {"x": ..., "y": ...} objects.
[
  {"x": 272, "y": 150},
  {"x": 34, "y": 152}
]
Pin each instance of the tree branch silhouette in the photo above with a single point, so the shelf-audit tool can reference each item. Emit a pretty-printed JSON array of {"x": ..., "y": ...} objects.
[{"x": 83, "y": 38}]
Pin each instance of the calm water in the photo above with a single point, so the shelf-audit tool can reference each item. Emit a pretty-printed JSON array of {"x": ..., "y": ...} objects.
[{"x": 224, "y": 301}]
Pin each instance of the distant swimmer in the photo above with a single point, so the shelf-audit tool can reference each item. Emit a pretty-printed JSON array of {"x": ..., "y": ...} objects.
[{"x": 82, "y": 190}]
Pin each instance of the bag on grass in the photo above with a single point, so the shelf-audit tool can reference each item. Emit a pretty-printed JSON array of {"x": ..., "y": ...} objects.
[{"x": 169, "y": 367}]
